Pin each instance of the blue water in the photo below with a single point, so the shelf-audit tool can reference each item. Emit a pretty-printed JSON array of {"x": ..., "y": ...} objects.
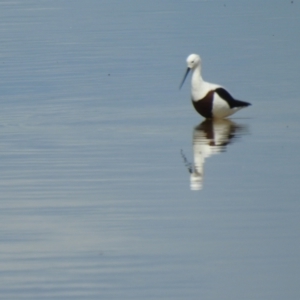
[{"x": 97, "y": 144}]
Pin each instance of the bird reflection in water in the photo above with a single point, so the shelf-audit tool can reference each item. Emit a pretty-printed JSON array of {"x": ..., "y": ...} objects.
[{"x": 210, "y": 137}]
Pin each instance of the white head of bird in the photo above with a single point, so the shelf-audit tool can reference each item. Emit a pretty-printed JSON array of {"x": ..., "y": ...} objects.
[{"x": 193, "y": 61}]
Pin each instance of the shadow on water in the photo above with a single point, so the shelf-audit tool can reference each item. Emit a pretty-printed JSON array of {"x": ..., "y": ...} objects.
[{"x": 210, "y": 137}]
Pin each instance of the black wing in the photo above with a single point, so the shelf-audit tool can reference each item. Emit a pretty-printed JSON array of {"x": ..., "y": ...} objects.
[{"x": 229, "y": 99}]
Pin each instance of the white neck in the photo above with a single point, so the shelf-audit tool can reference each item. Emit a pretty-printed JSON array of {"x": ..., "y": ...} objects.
[
  {"x": 200, "y": 88},
  {"x": 197, "y": 84}
]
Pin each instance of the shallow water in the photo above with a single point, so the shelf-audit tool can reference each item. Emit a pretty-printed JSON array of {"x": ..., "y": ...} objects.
[{"x": 99, "y": 151}]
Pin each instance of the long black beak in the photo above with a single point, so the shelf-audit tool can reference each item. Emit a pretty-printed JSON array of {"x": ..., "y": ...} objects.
[{"x": 185, "y": 75}]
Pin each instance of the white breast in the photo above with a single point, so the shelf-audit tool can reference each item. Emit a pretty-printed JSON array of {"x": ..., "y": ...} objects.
[{"x": 200, "y": 89}]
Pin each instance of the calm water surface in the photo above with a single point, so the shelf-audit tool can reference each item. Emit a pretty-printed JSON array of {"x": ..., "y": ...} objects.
[{"x": 112, "y": 187}]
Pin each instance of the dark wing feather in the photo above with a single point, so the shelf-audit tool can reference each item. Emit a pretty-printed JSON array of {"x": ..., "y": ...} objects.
[{"x": 229, "y": 99}]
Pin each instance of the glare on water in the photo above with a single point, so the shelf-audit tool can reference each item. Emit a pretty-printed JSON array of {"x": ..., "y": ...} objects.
[{"x": 99, "y": 151}]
